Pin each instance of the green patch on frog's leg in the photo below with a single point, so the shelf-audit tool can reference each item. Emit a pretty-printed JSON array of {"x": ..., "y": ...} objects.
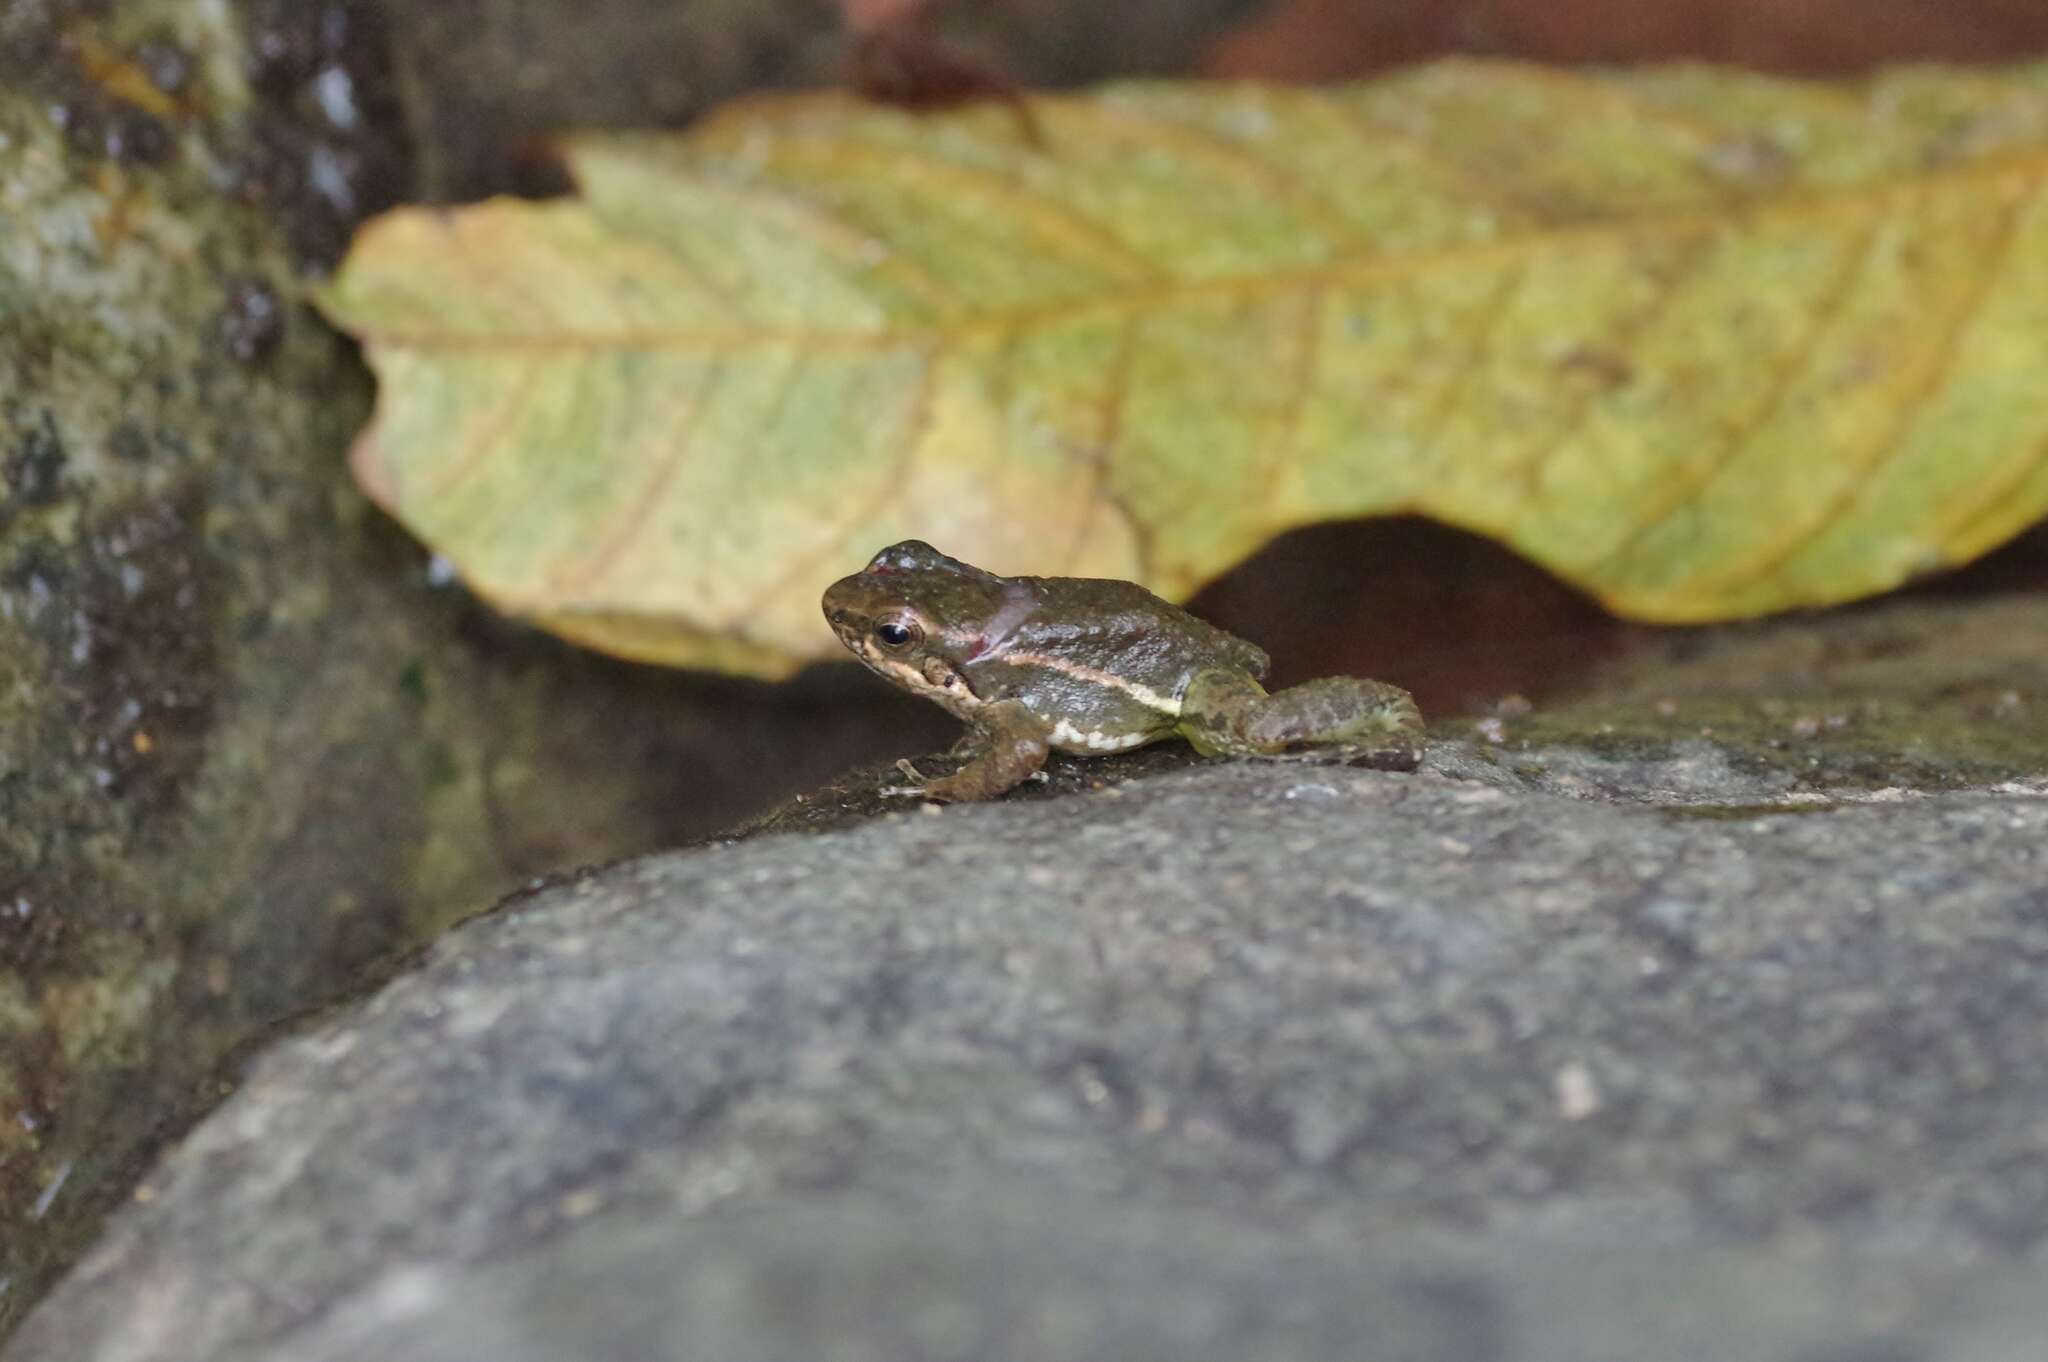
[
  {"x": 1010, "y": 745},
  {"x": 1338, "y": 718}
]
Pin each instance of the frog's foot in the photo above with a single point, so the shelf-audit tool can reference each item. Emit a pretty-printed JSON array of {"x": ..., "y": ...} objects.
[
  {"x": 916, "y": 791},
  {"x": 1393, "y": 754},
  {"x": 1006, "y": 747},
  {"x": 1009, "y": 745},
  {"x": 1336, "y": 719}
]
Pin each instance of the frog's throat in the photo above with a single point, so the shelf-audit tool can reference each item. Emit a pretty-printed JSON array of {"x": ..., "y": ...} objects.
[{"x": 1095, "y": 676}]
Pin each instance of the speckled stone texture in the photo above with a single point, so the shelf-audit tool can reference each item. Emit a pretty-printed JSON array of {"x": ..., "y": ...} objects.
[
  {"x": 1574, "y": 1059},
  {"x": 251, "y": 747}
]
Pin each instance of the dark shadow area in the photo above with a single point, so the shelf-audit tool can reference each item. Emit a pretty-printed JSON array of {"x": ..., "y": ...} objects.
[
  {"x": 2021, "y": 564},
  {"x": 1341, "y": 39},
  {"x": 1454, "y": 617},
  {"x": 1464, "y": 622}
]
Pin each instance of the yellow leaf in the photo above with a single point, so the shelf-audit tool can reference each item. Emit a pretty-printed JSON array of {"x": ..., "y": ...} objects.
[{"x": 1707, "y": 344}]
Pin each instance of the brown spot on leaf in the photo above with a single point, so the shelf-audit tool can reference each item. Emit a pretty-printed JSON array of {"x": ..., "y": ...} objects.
[{"x": 1606, "y": 368}]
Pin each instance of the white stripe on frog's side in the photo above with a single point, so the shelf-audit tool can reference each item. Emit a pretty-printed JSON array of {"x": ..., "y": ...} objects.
[
  {"x": 1094, "y": 676},
  {"x": 1064, "y": 732}
]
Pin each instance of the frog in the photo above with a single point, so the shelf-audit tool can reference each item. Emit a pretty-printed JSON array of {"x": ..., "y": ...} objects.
[{"x": 1088, "y": 666}]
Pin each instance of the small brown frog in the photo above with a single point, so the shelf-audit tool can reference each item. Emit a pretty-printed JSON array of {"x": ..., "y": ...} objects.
[{"x": 1086, "y": 666}]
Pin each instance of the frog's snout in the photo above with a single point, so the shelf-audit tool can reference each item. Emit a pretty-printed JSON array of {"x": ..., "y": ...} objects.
[
  {"x": 837, "y": 599},
  {"x": 845, "y": 622}
]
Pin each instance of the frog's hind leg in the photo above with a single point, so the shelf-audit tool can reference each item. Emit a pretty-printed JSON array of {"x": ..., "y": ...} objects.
[{"x": 1338, "y": 719}]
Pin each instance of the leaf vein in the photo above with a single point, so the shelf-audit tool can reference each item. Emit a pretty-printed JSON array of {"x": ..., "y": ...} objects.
[
  {"x": 612, "y": 542},
  {"x": 1528, "y": 470},
  {"x": 1057, "y": 222},
  {"x": 1910, "y": 406},
  {"x": 1109, "y": 430},
  {"x": 1234, "y": 158},
  {"x": 1686, "y": 487},
  {"x": 916, "y": 426},
  {"x": 1308, "y": 347},
  {"x": 1479, "y": 340}
]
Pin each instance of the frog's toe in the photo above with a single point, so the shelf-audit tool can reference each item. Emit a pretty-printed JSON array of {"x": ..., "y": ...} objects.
[
  {"x": 1391, "y": 755},
  {"x": 1375, "y": 756},
  {"x": 917, "y": 790}
]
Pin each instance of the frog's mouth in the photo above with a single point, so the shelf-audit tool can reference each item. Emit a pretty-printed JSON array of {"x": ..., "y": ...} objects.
[
  {"x": 875, "y": 660},
  {"x": 950, "y": 691},
  {"x": 852, "y": 633}
]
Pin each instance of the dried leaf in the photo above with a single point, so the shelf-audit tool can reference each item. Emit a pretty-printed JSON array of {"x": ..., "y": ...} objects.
[{"x": 1707, "y": 344}]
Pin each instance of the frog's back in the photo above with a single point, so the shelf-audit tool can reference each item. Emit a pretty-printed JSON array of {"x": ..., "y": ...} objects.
[{"x": 1122, "y": 625}]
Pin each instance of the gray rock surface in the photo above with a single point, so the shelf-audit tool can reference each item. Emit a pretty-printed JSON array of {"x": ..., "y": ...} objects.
[
  {"x": 1008, "y": 1273},
  {"x": 249, "y": 749},
  {"x": 1559, "y": 1058}
]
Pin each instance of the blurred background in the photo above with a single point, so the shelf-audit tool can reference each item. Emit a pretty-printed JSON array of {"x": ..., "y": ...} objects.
[
  {"x": 1459, "y": 621},
  {"x": 1464, "y": 624}
]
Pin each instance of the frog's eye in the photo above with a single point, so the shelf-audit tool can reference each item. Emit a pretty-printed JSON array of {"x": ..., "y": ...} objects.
[{"x": 896, "y": 634}]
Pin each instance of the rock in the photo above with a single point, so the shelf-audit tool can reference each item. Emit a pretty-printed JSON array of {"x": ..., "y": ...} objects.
[
  {"x": 252, "y": 747},
  {"x": 1005, "y": 1273},
  {"x": 1542, "y": 1060},
  {"x": 248, "y": 748}
]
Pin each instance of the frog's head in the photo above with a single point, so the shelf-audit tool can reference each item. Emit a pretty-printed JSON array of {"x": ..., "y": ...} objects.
[{"x": 913, "y": 615}]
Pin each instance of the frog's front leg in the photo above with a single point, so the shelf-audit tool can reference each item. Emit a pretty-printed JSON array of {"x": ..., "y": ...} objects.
[
  {"x": 1338, "y": 718},
  {"x": 1009, "y": 744}
]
